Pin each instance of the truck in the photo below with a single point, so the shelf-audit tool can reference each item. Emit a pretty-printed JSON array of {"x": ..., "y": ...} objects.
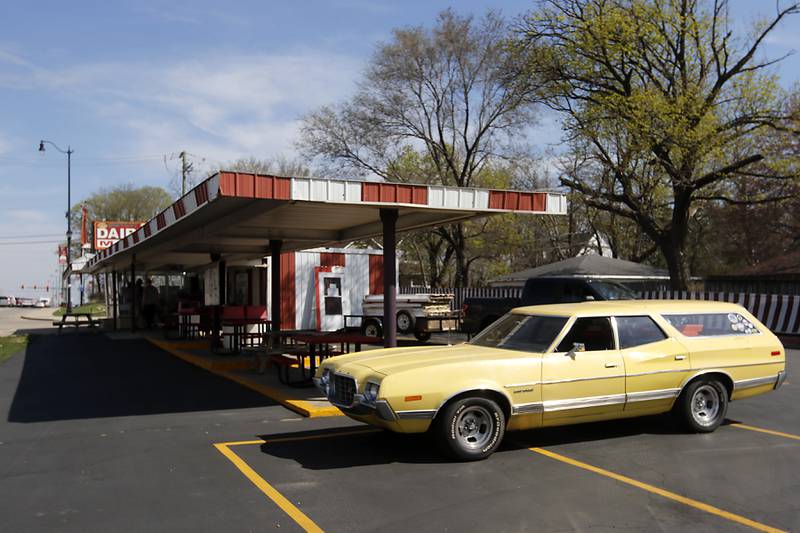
[
  {"x": 417, "y": 314},
  {"x": 479, "y": 313}
]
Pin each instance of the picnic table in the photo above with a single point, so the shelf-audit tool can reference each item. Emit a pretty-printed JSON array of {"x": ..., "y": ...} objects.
[
  {"x": 319, "y": 346},
  {"x": 238, "y": 334},
  {"x": 92, "y": 323}
]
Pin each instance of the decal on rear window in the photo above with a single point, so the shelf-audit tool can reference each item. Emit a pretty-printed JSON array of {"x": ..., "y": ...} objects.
[{"x": 711, "y": 324}]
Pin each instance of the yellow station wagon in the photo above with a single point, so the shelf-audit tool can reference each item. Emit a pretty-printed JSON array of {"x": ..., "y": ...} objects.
[{"x": 562, "y": 364}]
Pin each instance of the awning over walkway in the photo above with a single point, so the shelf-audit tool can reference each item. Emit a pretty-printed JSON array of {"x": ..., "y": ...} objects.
[
  {"x": 238, "y": 214},
  {"x": 234, "y": 216}
]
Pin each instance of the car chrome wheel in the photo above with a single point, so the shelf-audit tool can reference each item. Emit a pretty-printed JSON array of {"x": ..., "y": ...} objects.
[
  {"x": 705, "y": 405},
  {"x": 475, "y": 427}
]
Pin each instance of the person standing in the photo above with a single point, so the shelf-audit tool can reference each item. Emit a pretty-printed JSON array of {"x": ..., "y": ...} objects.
[{"x": 149, "y": 303}]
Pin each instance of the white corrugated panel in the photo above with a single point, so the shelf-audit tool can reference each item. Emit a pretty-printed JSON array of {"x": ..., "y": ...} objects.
[
  {"x": 481, "y": 199},
  {"x": 556, "y": 204},
  {"x": 435, "y": 196},
  {"x": 358, "y": 280},
  {"x": 301, "y": 188},
  {"x": 352, "y": 191},
  {"x": 213, "y": 187},
  {"x": 466, "y": 198},
  {"x": 451, "y": 198},
  {"x": 304, "y": 286},
  {"x": 319, "y": 190}
]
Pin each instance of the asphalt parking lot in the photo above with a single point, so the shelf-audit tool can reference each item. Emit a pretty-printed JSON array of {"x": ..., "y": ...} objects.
[{"x": 104, "y": 434}]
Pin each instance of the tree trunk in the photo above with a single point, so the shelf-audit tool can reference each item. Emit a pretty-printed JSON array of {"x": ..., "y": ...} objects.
[{"x": 459, "y": 250}]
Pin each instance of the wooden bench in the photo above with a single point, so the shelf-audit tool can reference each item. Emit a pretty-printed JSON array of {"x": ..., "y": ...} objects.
[{"x": 77, "y": 322}]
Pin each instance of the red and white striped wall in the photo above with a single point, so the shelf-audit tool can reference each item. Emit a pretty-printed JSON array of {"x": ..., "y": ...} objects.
[
  {"x": 245, "y": 185},
  {"x": 363, "y": 268}
]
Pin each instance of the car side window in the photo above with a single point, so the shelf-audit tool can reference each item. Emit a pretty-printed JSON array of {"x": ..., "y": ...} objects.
[
  {"x": 637, "y": 330},
  {"x": 594, "y": 333}
]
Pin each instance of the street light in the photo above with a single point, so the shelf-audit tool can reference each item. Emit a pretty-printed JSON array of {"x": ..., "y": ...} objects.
[{"x": 68, "y": 151}]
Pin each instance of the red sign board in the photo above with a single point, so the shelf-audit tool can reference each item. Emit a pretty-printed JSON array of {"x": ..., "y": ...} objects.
[
  {"x": 62, "y": 255},
  {"x": 107, "y": 233}
]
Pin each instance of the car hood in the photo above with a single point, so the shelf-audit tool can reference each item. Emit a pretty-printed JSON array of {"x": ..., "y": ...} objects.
[{"x": 393, "y": 360}]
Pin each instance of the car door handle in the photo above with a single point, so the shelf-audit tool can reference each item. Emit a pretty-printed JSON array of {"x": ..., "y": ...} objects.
[
  {"x": 680, "y": 357},
  {"x": 611, "y": 365}
]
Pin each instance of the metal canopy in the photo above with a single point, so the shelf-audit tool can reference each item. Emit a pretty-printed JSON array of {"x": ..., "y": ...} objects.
[{"x": 235, "y": 215}]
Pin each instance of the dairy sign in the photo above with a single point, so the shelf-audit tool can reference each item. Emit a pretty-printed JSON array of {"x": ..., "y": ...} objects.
[{"x": 107, "y": 233}]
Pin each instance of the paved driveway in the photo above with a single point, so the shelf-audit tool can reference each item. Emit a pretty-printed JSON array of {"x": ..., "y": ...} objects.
[{"x": 103, "y": 435}]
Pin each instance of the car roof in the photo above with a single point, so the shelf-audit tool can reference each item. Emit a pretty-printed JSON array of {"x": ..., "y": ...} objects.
[{"x": 629, "y": 307}]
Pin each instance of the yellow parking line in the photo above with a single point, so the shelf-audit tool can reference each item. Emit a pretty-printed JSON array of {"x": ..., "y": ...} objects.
[
  {"x": 279, "y": 499},
  {"x": 286, "y": 506},
  {"x": 767, "y": 431},
  {"x": 661, "y": 492}
]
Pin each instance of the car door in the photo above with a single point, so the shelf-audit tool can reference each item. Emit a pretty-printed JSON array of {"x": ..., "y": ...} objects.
[
  {"x": 583, "y": 385},
  {"x": 655, "y": 363}
]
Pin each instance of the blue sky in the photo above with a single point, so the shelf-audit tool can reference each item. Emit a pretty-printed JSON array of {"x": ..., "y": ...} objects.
[{"x": 128, "y": 83}]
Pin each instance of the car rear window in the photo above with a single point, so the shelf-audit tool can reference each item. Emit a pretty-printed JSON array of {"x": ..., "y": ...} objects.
[
  {"x": 711, "y": 324},
  {"x": 637, "y": 331}
]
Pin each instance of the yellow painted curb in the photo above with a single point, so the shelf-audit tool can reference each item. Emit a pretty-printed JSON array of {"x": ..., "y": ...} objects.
[{"x": 301, "y": 407}]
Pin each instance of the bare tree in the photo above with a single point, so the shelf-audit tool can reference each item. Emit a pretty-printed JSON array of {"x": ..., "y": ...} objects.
[
  {"x": 445, "y": 96},
  {"x": 663, "y": 107}
]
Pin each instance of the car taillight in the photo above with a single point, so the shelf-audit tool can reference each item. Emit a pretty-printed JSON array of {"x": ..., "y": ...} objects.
[{"x": 775, "y": 352}]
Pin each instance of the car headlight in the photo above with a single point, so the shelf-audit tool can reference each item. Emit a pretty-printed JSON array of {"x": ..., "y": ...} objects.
[{"x": 371, "y": 392}]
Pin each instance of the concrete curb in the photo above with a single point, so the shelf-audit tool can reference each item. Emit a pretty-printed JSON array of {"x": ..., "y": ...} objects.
[
  {"x": 37, "y": 319},
  {"x": 301, "y": 407}
]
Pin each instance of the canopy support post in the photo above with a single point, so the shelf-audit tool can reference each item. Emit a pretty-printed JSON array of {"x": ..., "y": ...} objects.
[
  {"x": 275, "y": 292},
  {"x": 115, "y": 297},
  {"x": 134, "y": 302},
  {"x": 389, "y": 220}
]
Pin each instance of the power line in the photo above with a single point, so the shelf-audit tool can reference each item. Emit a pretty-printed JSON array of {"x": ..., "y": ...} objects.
[
  {"x": 14, "y": 243},
  {"x": 30, "y": 236}
]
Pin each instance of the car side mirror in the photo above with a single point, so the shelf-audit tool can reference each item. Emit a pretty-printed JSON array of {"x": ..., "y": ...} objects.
[{"x": 576, "y": 347}]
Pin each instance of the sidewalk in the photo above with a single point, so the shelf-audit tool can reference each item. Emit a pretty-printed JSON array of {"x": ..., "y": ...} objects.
[
  {"x": 25, "y": 319},
  {"x": 305, "y": 401}
]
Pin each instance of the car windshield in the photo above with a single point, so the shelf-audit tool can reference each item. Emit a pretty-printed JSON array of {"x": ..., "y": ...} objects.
[
  {"x": 528, "y": 333},
  {"x": 613, "y": 291}
]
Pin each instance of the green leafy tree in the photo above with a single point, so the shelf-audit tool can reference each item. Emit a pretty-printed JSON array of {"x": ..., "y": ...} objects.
[
  {"x": 663, "y": 107},
  {"x": 446, "y": 96},
  {"x": 124, "y": 202}
]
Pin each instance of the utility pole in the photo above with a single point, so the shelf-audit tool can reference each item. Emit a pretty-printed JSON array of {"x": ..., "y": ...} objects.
[{"x": 186, "y": 167}]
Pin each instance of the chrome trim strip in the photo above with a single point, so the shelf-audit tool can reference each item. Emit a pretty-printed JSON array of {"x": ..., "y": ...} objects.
[
  {"x": 526, "y": 408},
  {"x": 581, "y": 403},
  {"x": 754, "y": 382},
  {"x": 515, "y": 385},
  {"x": 702, "y": 368},
  {"x": 422, "y": 414},
  {"x": 646, "y": 396},
  {"x": 573, "y": 380},
  {"x": 662, "y": 372}
]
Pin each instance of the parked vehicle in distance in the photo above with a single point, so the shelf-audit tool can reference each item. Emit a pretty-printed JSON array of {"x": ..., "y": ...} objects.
[
  {"x": 555, "y": 365},
  {"x": 43, "y": 302},
  {"x": 26, "y": 302},
  {"x": 478, "y": 313},
  {"x": 417, "y": 314},
  {"x": 8, "y": 301}
]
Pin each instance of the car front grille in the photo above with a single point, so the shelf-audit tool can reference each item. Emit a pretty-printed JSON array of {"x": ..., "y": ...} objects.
[{"x": 344, "y": 389}]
